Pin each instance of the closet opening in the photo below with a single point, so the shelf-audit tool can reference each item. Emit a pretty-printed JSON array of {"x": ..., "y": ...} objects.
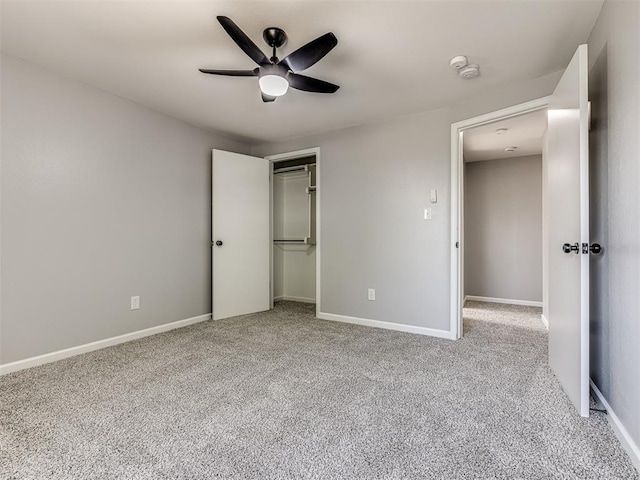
[{"x": 294, "y": 227}]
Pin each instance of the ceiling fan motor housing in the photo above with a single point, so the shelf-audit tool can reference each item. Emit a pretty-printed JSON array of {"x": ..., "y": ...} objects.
[{"x": 273, "y": 69}]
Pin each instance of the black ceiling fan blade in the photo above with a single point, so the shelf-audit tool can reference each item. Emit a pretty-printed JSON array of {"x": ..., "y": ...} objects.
[
  {"x": 267, "y": 98},
  {"x": 310, "y": 53},
  {"x": 309, "y": 84},
  {"x": 243, "y": 41},
  {"x": 232, "y": 73}
]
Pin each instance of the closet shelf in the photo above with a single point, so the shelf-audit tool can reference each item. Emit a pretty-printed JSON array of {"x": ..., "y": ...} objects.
[
  {"x": 303, "y": 241},
  {"x": 296, "y": 168}
]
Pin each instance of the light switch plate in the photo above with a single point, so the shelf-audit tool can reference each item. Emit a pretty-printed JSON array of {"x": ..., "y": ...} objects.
[
  {"x": 427, "y": 213},
  {"x": 135, "y": 303},
  {"x": 433, "y": 196}
]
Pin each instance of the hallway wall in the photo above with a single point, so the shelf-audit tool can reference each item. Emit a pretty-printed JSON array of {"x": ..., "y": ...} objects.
[{"x": 503, "y": 228}]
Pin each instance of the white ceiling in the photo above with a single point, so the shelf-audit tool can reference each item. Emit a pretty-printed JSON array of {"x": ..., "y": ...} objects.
[
  {"x": 391, "y": 59},
  {"x": 524, "y": 132}
]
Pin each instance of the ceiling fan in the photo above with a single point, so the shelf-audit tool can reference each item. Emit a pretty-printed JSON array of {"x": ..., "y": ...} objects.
[{"x": 276, "y": 76}]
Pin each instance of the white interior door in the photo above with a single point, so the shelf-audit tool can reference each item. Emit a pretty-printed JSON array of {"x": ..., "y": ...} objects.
[
  {"x": 568, "y": 201},
  {"x": 241, "y": 234}
]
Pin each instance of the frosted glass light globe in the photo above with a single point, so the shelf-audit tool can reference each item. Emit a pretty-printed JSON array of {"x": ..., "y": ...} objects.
[{"x": 273, "y": 85}]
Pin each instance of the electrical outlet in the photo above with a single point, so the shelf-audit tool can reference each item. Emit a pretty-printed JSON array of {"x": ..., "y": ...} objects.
[
  {"x": 371, "y": 294},
  {"x": 135, "y": 303},
  {"x": 433, "y": 195}
]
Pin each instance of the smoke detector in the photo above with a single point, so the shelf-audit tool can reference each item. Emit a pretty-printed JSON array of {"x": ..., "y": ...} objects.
[
  {"x": 510, "y": 149},
  {"x": 469, "y": 71},
  {"x": 458, "y": 62}
]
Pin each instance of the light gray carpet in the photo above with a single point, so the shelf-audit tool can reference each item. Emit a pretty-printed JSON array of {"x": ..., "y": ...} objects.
[{"x": 283, "y": 395}]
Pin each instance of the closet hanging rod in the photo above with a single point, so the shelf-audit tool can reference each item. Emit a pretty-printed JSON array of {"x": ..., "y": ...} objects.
[{"x": 294, "y": 169}]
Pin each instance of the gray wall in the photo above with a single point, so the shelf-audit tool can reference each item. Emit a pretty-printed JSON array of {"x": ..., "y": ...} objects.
[
  {"x": 102, "y": 199},
  {"x": 375, "y": 184},
  {"x": 375, "y": 181},
  {"x": 503, "y": 228},
  {"x": 615, "y": 210}
]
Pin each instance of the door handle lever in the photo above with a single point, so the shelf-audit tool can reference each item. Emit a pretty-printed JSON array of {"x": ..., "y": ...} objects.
[{"x": 568, "y": 248}]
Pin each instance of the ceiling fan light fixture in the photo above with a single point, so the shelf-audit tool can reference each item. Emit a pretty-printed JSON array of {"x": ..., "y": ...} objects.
[
  {"x": 276, "y": 76},
  {"x": 273, "y": 85}
]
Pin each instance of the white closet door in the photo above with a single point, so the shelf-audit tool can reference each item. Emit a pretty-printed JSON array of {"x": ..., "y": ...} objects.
[{"x": 240, "y": 233}]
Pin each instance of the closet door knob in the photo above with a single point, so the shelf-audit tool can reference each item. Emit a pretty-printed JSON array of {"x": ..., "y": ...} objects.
[
  {"x": 568, "y": 248},
  {"x": 218, "y": 243}
]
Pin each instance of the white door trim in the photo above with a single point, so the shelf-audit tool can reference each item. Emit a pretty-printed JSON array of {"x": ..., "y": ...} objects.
[
  {"x": 292, "y": 156},
  {"x": 457, "y": 199}
]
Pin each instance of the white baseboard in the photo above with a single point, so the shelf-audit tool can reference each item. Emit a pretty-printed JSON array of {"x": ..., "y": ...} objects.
[
  {"x": 432, "y": 332},
  {"x": 618, "y": 428},
  {"x": 510, "y": 301},
  {"x": 294, "y": 299},
  {"x": 90, "y": 347},
  {"x": 545, "y": 322}
]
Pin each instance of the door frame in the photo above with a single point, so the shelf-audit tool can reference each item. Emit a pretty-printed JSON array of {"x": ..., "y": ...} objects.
[
  {"x": 292, "y": 156},
  {"x": 457, "y": 201}
]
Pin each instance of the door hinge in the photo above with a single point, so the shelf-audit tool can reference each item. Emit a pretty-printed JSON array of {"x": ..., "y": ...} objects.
[{"x": 457, "y": 244}]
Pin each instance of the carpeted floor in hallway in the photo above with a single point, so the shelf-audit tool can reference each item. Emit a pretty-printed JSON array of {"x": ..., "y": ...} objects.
[{"x": 281, "y": 394}]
